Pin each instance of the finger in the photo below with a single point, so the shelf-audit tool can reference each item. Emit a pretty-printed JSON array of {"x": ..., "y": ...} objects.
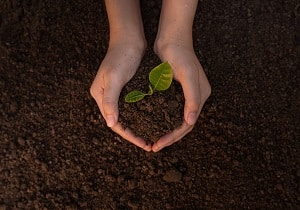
[
  {"x": 109, "y": 101},
  {"x": 129, "y": 136},
  {"x": 96, "y": 92},
  {"x": 172, "y": 137},
  {"x": 195, "y": 99},
  {"x": 106, "y": 95},
  {"x": 196, "y": 90},
  {"x": 189, "y": 80}
]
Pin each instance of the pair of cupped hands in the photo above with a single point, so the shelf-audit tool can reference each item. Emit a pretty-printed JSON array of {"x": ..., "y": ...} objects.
[{"x": 120, "y": 65}]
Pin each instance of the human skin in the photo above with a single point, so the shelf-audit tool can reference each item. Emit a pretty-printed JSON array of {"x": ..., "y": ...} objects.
[{"x": 127, "y": 44}]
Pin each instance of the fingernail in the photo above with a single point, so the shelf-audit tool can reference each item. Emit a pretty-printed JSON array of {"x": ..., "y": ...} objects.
[
  {"x": 110, "y": 120},
  {"x": 191, "y": 119},
  {"x": 154, "y": 148}
]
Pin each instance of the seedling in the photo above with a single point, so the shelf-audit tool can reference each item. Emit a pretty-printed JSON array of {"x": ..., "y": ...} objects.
[{"x": 160, "y": 79}]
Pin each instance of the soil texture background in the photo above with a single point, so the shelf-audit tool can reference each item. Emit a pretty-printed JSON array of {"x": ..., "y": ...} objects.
[{"x": 57, "y": 153}]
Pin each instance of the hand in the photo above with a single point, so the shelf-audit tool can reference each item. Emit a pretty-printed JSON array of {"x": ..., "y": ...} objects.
[
  {"x": 117, "y": 68},
  {"x": 174, "y": 43},
  {"x": 188, "y": 71}
]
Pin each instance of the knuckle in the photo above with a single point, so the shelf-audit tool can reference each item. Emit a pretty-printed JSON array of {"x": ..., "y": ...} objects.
[
  {"x": 195, "y": 103},
  {"x": 93, "y": 91},
  {"x": 109, "y": 102},
  {"x": 207, "y": 92}
]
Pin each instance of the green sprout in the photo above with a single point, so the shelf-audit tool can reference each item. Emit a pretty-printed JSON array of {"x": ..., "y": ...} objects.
[{"x": 160, "y": 79}]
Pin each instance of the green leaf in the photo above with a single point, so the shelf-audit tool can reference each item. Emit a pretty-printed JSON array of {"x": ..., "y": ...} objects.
[
  {"x": 161, "y": 76},
  {"x": 134, "y": 96}
]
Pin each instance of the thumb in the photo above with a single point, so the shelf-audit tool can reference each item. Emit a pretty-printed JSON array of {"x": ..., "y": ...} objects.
[
  {"x": 195, "y": 98},
  {"x": 192, "y": 106},
  {"x": 191, "y": 111},
  {"x": 110, "y": 102}
]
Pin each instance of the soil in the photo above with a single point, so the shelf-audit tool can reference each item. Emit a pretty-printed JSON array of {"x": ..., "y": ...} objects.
[{"x": 57, "y": 153}]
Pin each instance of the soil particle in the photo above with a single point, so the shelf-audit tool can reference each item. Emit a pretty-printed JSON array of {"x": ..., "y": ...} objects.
[
  {"x": 134, "y": 204},
  {"x": 21, "y": 141},
  {"x": 172, "y": 176},
  {"x": 13, "y": 107},
  {"x": 131, "y": 184}
]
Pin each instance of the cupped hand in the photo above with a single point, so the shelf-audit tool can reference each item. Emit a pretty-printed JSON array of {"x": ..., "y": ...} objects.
[
  {"x": 188, "y": 71},
  {"x": 117, "y": 68}
]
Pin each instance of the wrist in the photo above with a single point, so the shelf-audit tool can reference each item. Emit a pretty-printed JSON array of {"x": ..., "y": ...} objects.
[
  {"x": 163, "y": 44},
  {"x": 127, "y": 40}
]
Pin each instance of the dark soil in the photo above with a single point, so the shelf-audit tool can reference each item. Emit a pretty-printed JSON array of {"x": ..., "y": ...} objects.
[{"x": 57, "y": 153}]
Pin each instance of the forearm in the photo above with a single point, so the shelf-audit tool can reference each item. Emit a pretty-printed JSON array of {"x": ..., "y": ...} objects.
[
  {"x": 125, "y": 21},
  {"x": 176, "y": 21}
]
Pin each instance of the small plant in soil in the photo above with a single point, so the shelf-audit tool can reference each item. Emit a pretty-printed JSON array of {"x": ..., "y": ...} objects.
[{"x": 160, "y": 79}]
